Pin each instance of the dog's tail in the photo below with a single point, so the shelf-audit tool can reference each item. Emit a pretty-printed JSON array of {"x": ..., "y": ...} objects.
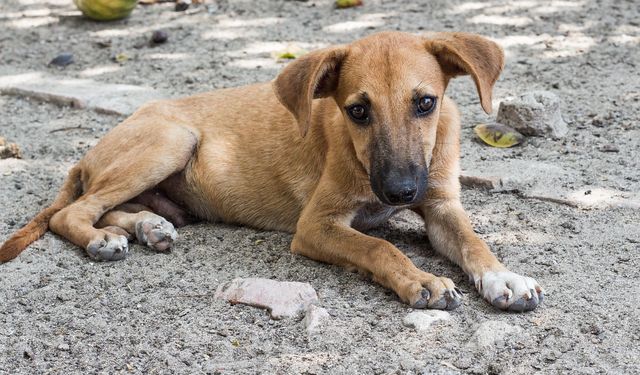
[{"x": 70, "y": 191}]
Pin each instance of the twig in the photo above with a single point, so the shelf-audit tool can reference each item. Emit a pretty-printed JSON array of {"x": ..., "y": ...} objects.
[
  {"x": 69, "y": 128},
  {"x": 549, "y": 199},
  {"x": 194, "y": 295}
]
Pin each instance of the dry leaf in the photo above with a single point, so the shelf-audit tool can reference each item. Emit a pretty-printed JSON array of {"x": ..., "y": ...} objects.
[
  {"x": 120, "y": 58},
  {"x": 342, "y": 4},
  {"x": 498, "y": 135},
  {"x": 291, "y": 52}
]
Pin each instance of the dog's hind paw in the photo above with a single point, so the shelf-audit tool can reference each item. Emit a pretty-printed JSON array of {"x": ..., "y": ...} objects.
[
  {"x": 156, "y": 232},
  {"x": 111, "y": 247},
  {"x": 509, "y": 291}
]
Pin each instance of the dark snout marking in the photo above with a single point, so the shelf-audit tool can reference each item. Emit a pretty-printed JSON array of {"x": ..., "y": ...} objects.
[
  {"x": 400, "y": 191},
  {"x": 398, "y": 176},
  {"x": 401, "y": 185}
]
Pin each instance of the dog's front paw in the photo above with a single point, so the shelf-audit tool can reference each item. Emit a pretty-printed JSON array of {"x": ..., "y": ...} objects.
[
  {"x": 110, "y": 247},
  {"x": 509, "y": 291},
  {"x": 432, "y": 292}
]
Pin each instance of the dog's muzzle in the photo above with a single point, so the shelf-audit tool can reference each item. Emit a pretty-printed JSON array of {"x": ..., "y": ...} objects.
[{"x": 399, "y": 187}]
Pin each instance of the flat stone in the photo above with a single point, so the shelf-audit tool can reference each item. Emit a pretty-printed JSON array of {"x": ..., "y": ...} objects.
[
  {"x": 281, "y": 298},
  {"x": 80, "y": 93},
  {"x": 543, "y": 181},
  {"x": 422, "y": 320},
  {"x": 314, "y": 318},
  {"x": 534, "y": 113},
  {"x": 493, "y": 332},
  {"x": 510, "y": 175}
]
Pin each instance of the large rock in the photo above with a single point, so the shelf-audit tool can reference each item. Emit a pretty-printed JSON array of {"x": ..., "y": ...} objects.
[
  {"x": 281, "y": 298},
  {"x": 534, "y": 113},
  {"x": 81, "y": 93}
]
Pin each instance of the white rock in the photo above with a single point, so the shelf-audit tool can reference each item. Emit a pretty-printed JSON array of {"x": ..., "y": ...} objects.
[
  {"x": 281, "y": 298},
  {"x": 80, "y": 93},
  {"x": 314, "y": 318},
  {"x": 492, "y": 332},
  {"x": 422, "y": 320},
  {"x": 534, "y": 113}
]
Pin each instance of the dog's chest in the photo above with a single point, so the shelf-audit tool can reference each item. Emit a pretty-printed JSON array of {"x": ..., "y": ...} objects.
[{"x": 372, "y": 215}]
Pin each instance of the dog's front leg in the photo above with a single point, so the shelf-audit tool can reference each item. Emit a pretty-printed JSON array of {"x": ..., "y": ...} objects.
[
  {"x": 451, "y": 234},
  {"x": 450, "y": 231},
  {"x": 329, "y": 238}
]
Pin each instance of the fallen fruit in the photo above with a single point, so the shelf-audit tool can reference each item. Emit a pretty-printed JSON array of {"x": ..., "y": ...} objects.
[
  {"x": 498, "y": 135},
  {"x": 106, "y": 10}
]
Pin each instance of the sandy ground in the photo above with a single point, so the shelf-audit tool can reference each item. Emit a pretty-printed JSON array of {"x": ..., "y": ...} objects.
[{"x": 61, "y": 313}]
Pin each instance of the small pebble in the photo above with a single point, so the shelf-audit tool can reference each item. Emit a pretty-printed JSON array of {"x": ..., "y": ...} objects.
[
  {"x": 104, "y": 43},
  {"x": 159, "y": 37},
  {"x": 27, "y": 354},
  {"x": 609, "y": 148},
  {"x": 182, "y": 5},
  {"x": 62, "y": 60}
]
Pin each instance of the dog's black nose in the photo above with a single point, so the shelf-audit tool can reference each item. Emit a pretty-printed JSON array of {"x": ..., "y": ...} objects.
[{"x": 401, "y": 192}]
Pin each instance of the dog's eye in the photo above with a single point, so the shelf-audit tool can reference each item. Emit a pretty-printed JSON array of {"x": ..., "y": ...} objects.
[
  {"x": 425, "y": 105},
  {"x": 358, "y": 113}
]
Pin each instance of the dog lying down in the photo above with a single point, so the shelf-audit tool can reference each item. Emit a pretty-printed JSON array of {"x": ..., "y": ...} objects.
[{"x": 341, "y": 140}]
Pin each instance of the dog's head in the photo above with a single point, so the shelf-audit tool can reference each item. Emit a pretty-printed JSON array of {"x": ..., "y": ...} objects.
[{"x": 390, "y": 87}]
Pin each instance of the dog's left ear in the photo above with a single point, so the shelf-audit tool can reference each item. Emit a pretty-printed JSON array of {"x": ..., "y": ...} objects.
[
  {"x": 465, "y": 53},
  {"x": 314, "y": 75}
]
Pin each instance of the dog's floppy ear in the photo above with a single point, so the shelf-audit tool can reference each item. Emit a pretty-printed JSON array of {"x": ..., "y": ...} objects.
[
  {"x": 465, "y": 53},
  {"x": 314, "y": 75}
]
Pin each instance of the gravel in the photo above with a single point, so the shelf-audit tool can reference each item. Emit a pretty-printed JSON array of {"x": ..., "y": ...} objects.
[{"x": 156, "y": 313}]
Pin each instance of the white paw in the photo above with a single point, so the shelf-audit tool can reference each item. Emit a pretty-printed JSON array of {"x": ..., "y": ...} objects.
[{"x": 509, "y": 291}]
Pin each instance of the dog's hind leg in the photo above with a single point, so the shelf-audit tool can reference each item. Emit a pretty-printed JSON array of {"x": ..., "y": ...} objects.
[
  {"x": 137, "y": 220},
  {"x": 148, "y": 154}
]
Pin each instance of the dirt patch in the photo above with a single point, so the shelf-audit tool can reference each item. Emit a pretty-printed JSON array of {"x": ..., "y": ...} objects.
[{"x": 155, "y": 313}]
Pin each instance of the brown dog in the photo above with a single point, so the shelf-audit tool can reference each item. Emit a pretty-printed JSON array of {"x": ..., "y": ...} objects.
[{"x": 380, "y": 137}]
